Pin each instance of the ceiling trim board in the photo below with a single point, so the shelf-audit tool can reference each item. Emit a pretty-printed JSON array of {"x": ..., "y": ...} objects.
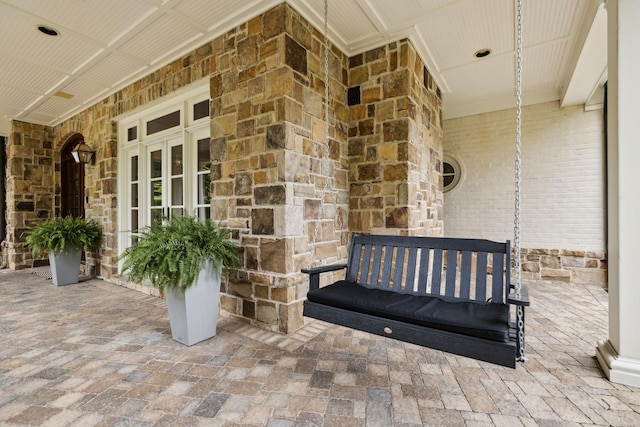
[{"x": 372, "y": 15}]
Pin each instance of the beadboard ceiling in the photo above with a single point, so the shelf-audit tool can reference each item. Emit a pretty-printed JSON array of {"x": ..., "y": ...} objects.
[{"x": 106, "y": 45}]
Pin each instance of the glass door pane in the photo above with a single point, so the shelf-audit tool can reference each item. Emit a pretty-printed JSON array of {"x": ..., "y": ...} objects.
[
  {"x": 134, "y": 209},
  {"x": 156, "y": 186},
  {"x": 176, "y": 203},
  {"x": 166, "y": 180},
  {"x": 203, "y": 178}
]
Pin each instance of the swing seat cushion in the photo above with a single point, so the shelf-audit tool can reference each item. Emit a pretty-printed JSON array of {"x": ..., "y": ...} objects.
[{"x": 473, "y": 318}]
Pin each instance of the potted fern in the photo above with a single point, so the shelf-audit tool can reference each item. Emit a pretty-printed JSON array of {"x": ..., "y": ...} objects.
[
  {"x": 63, "y": 238},
  {"x": 183, "y": 258}
]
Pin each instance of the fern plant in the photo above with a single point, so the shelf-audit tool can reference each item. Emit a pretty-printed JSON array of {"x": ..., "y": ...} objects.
[
  {"x": 171, "y": 253},
  {"x": 61, "y": 234}
]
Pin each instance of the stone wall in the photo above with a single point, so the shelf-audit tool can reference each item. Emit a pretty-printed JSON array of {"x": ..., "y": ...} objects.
[
  {"x": 580, "y": 267},
  {"x": 269, "y": 168},
  {"x": 101, "y": 133},
  {"x": 395, "y": 144},
  {"x": 33, "y": 161},
  {"x": 30, "y": 187},
  {"x": 278, "y": 181}
]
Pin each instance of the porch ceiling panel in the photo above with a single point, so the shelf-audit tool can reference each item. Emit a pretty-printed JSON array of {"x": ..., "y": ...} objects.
[
  {"x": 468, "y": 26},
  {"x": 484, "y": 78},
  {"x": 114, "y": 64},
  {"x": 114, "y": 43},
  {"x": 543, "y": 66},
  {"x": 29, "y": 77},
  {"x": 548, "y": 20},
  {"x": 50, "y": 106},
  {"x": 84, "y": 89},
  {"x": 36, "y": 116},
  {"x": 397, "y": 14},
  {"x": 342, "y": 20},
  {"x": 160, "y": 39},
  {"x": 16, "y": 99},
  {"x": 102, "y": 21},
  {"x": 214, "y": 15},
  {"x": 21, "y": 40}
]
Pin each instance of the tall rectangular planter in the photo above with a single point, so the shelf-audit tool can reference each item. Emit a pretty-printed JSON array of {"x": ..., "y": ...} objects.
[
  {"x": 194, "y": 314},
  {"x": 65, "y": 267}
]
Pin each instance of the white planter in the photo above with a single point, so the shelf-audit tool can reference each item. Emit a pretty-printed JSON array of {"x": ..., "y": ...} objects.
[
  {"x": 194, "y": 314},
  {"x": 65, "y": 267}
]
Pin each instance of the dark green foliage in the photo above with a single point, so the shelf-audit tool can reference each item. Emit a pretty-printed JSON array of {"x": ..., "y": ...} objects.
[
  {"x": 172, "y": 253},
  {"x": 61, "y": 233}
]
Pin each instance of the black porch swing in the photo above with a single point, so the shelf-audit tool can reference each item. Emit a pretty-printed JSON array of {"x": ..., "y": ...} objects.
[{"x": 448, "y": 294}]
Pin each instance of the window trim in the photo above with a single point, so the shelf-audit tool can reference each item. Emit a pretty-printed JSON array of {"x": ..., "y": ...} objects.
[{"x": 457, "y": 173}]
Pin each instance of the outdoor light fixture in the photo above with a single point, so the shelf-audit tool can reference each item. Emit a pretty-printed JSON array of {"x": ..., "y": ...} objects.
[{"x": 82, "y": 153}]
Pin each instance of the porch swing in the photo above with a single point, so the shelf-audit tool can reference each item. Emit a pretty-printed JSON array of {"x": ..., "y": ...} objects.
[{"x": 448, "y": 294}]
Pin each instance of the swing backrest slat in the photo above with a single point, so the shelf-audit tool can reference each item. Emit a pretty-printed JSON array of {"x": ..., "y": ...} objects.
[{"x": 464, "y": 269}]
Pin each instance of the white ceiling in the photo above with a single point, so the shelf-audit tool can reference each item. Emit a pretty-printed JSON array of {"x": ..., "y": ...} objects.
[{"x": 106, "y": 45}]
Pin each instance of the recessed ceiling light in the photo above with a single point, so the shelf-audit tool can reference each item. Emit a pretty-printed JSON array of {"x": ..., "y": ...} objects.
[
  {"x": 49, "y": 31},
  {"x": 482, "y": 53}
]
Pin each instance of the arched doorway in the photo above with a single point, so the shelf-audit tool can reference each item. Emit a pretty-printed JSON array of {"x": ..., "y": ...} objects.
[{"x": 71, "y": 180}]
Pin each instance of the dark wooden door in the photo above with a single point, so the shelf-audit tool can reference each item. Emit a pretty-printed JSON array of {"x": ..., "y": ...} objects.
[{"x": 72, "y": 185}]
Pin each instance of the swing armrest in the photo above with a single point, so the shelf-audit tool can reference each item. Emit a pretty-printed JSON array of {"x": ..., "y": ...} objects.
[
  {"x": 314, "y": 273},
  {"x": 524, "y": 295}
]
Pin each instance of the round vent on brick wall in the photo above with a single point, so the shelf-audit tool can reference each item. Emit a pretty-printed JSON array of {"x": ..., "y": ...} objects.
[{"x": 451, "y": 173}]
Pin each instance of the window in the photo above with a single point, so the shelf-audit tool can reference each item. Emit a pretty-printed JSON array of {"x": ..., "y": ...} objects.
[
  {"x": 201, "y": 110},
  {"x": 451, "y": 172},
  {"x": 165, "y": 122},
  {"x": 132, "y": 133}
]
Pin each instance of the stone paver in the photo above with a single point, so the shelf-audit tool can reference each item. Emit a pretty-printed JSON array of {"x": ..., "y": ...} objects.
[{"x": 97, "y": 354}]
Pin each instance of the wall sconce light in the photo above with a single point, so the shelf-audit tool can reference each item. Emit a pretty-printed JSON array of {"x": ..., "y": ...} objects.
[{"x": 82, "y": 153}]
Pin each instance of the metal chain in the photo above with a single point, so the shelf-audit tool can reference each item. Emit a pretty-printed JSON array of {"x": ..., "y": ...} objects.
[
  {"x": 518, "y": 167},
  {"x": 324, "y": 152}
]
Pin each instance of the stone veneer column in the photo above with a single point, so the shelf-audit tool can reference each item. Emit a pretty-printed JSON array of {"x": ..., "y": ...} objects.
[
  {"x": 395, "y": 144},
  {"x": 100, "y": 182},
  {"x": 268, "y": 140},
  {"x": 30, "y": 187}
]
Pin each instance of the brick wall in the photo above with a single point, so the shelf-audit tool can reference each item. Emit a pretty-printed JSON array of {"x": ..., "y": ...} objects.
[{"x": 563, "y": 205}]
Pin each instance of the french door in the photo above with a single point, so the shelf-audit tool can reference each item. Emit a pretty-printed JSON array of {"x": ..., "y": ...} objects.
[
  {"x": 166, "y": 177},
  {"x": 164, "y": 165}
]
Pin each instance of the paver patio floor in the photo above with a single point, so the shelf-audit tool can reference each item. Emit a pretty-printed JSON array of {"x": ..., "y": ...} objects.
[{"x": 97, "y": 354}]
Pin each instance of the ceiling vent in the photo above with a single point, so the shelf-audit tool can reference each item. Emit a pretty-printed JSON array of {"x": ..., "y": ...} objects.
[{"x": 63, "y": 95}]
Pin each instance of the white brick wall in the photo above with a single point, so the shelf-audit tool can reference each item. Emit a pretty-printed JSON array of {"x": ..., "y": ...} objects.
[{"x": 563, "y": 184}]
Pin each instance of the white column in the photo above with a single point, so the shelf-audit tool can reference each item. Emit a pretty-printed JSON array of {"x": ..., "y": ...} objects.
[{"x": 619, "y": 356}]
